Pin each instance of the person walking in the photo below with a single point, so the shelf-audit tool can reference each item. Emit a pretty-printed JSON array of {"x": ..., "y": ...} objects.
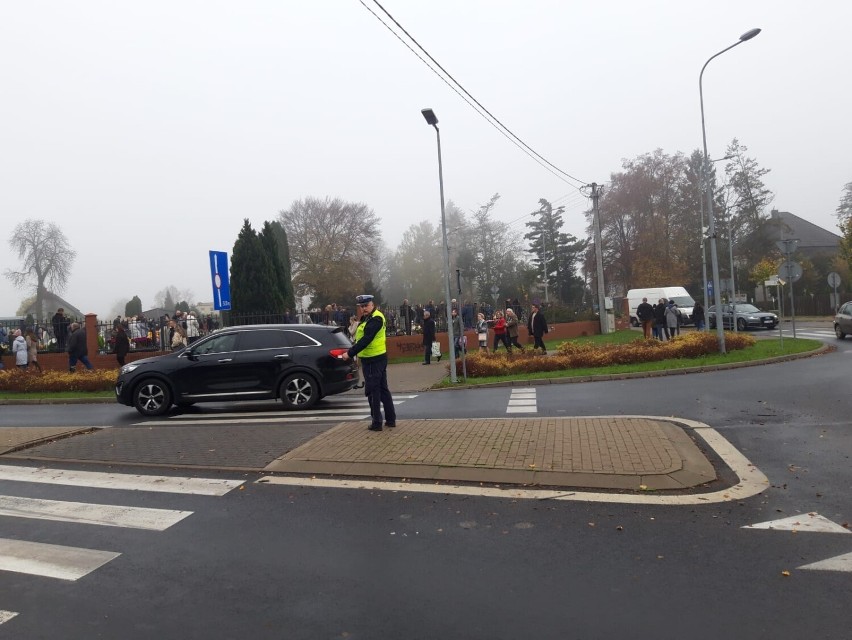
[
  {"x": 499, "y": 326},
  {"x": 122, "y": 344},
  {"x": 370, "y": 343},
  {"x": 458, "y": 333},
  {"x": 512, "y": 328},
  {"x": 673, "y": 319},
  {"x": 482, "y": 333},
  {"x": 60, "y": 328},
  {"x": 660, "y": 327},
  {"x": 178, "y": 335},
  {"x": 645, "y": 314},
  {"x": 32, "y": 349},
  {"x": 698, "y": 316},
  {"x": 19, "y": 348},
  {"x": 77, "y": 348},
  {"x": 428, "y": 336},
  {"x": 537, "y": 326}
]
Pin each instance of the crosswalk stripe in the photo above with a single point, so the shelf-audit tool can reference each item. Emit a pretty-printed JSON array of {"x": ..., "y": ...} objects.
[
  {"x": 522, "y": 401},
  {"x": 89, "y": 513},
  {"x": 102, "y": 480},
  {"x": 51, "y": 560},
  {"x": 348, "y": 398},
  {"x": 330, "y": 418},
  {"x": 5, "y": 616},
  {"x": 276, "y": 414}
]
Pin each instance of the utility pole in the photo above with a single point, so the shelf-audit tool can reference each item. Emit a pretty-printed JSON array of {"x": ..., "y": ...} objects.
[
  {"x": 596, "y": 193},
  {"x": 544, "y": 263}
]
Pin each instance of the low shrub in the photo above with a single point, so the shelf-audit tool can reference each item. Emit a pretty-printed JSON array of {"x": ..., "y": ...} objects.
[
  {"x": 31, "y": 381},
  {"x": 574, "y": 355}
]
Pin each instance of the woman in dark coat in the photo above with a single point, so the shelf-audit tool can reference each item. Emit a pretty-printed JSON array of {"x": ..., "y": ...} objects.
[
  {"x": 122, "y": 344},
  {"x": 428, "y": 336}
]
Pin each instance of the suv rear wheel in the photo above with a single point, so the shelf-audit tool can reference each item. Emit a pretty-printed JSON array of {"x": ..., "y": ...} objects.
[
  {"x": 152, "y": 398},
  {"x": 298, "y": 391},
  {"x": 840, "y": 335}
]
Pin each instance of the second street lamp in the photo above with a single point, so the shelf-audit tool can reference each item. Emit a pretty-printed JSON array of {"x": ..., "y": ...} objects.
[
  {"x": 714, "y": 257},
  {"x": 432, "y": 120}
]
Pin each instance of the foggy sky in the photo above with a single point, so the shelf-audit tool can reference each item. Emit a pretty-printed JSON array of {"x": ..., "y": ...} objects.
[{"x": 149, "y": 131}]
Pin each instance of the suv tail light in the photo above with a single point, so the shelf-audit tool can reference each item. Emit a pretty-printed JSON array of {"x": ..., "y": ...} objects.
[{"x": 337, "y": 353}]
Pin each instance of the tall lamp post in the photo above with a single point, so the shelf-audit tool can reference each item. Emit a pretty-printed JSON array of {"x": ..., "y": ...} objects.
[
  {"x": 432, "y": 120},
  {"x": 711, "y": 224}
]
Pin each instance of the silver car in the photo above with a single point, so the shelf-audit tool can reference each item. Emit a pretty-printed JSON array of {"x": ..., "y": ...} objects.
[
  {"x": 748, "y": 317},
  {"x": 843, "y": 321}
]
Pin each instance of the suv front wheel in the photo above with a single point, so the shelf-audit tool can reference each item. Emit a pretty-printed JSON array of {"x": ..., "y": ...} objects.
[
  {"x": 152, "y": 398},
  {"x": 298, "y": 391}
]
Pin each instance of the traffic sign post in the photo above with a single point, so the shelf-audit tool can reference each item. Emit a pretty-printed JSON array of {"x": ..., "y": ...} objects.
[
  {"x": 834, "y": 282},
  {"x": 221, "y": 283}
]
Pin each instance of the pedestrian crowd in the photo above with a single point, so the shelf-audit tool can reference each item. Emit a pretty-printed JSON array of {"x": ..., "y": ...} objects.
[{"x": 663, "y": 320}]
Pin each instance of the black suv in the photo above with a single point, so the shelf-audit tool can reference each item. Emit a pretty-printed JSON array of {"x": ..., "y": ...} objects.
[{"x": 296, "y": 363}]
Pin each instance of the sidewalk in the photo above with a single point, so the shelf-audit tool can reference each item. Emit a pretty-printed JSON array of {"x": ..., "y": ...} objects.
[{"x": 620, "y": 453}]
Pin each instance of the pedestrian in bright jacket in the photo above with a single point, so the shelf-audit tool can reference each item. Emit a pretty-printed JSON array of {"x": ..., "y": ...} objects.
[{"x": 499, "y": 326}]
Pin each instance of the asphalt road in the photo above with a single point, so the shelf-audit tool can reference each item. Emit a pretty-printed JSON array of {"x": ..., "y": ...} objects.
[{"x": 269, "y": 561}]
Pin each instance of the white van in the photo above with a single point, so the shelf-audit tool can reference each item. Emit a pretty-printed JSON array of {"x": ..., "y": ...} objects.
[{"x": 680, "y": 296}]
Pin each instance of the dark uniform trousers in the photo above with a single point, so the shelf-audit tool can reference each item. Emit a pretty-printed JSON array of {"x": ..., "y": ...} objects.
[{"x": 376, "y": 389}]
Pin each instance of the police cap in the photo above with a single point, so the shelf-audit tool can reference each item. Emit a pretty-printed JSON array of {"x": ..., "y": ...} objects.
[{"x": 363, "y": 299}]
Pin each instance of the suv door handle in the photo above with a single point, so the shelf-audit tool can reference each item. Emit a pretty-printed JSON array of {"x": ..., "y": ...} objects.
[
  {"x": 282, "y": 356},
  {"x": 226, "y": 360}
]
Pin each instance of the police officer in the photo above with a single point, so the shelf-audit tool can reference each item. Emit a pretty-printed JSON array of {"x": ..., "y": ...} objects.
[{"x": 370, "y": 347}]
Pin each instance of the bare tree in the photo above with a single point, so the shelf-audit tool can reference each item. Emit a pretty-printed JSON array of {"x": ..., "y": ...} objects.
[
  {"x": 46, "y": 257},
  {"x": 333, "y": 245}
]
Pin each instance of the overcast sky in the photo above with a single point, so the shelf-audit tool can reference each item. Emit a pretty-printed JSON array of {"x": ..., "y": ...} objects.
[{"x": 148, "y": 131}]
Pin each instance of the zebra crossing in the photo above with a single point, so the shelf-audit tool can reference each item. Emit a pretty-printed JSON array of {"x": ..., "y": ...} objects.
[
  {"x": 69, "y": 563},
  {"x": 331, "y": 409},
  {"x": 809, "y": 332},
  {"x": 523, "y": 401}
]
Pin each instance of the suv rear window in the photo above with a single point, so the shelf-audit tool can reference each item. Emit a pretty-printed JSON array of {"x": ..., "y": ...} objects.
[{"x": 299, "y": 339}]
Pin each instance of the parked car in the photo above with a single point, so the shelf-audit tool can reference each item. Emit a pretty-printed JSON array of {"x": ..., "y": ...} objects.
[
  {"x": 843, "y": 321},
  {"x": 748, "y": 317},
  {"x": 295, "y": 363}
]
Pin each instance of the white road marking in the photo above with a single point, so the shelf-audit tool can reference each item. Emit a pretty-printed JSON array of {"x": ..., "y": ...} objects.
[
  {"x": 5, "y": 616},
  {"x": 837, "y": 563},
  {"x": 331, "y": 418},
  {"x": 522, "y": 401},
  {"x": 751, "y": 480},
  {"x": 51, "y": 560},
  {"x": 274, "y": 414},
  {"x": 126, "y": 481},
  {"x": 88, "y": 513},
  {"x": 343, "y": 398},
  {"x": 805, "y": 522}
]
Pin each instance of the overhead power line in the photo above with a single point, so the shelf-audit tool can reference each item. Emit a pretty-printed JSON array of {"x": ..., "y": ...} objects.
[{"x": 468, "y": 97}]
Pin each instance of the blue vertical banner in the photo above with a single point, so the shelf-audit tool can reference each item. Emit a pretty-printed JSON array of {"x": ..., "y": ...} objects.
[{"x": 221, "y": 285}]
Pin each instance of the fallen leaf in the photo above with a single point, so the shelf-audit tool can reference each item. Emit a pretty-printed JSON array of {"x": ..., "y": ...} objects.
[{"x": 786, "y": 574}]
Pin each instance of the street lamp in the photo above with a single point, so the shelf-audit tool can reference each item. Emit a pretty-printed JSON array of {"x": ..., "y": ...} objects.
[
  {"x": 711, "y": 224},
  {"x": 432, "y": 120}
]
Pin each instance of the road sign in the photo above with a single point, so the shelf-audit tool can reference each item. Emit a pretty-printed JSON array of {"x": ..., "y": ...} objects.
[
  {"x": 772, "y": 282},
  {"x": 787, "y": 246},
  {"x": 709, "y": 289},
  {"x": 221, "y": 284},
  {"x": 790, "y": 271},
  {"x": 834, "y": 279}
]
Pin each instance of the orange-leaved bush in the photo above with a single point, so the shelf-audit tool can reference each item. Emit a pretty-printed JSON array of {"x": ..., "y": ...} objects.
[
  {"x": 30, "y": 381},
  {"x": 579, "y": 355}
]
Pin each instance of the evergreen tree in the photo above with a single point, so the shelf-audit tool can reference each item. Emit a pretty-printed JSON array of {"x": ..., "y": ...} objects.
[
  {"x": 556, "y": 254},
  {"x": 287, "y": 290},
  {"x": 375, "y": 291},
  {"x": 133, "y": 308},
  {"x": 169, "y": 302},
  {"x": 252, "y": 275},
  {"x": 269, "y": 242}
]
